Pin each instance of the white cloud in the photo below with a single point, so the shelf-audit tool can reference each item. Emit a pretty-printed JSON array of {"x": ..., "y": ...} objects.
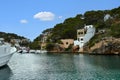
[
  {"x": 44, "y": 16},
  {"x": 23, "y": 21},
  {"x": 60, "y": 17}
]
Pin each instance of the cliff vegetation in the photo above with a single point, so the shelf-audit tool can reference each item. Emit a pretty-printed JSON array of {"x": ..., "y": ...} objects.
[{"x": 106, "y": 22}]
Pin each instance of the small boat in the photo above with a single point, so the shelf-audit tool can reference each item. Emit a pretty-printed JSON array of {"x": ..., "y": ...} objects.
[
  {"x": 38, "y": 51},
  {"x": 6, "y": 52},
  {"x": 43, "y": 51},
  {"x": 32, "y": 51},
  {"x": 23, "y": 50}
]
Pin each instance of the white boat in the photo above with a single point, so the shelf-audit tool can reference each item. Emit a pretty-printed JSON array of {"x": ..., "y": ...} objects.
[
  {"x": 32, "y": 51},
  {"x": 37, "y": 51},
  {"x": 43, "y": 51},
  {"x": 6, "y": 52},
  {"x": 23, "y": 50}
]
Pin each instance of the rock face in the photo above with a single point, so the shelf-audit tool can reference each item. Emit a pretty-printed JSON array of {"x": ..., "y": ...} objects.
[
  {"x": 56, "y": 48},
  {"x": 107, "y": 45},
  {"x": 75, "y": 48}
]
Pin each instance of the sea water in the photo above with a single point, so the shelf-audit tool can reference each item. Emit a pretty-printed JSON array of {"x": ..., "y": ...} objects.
[{"x": 61, "y": 67}]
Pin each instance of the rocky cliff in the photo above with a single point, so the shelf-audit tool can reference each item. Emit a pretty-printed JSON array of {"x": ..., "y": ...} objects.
[{"x": 108, "y": 45}]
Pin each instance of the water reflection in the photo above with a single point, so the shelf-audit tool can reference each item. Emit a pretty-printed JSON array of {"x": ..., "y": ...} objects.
[
  {"x": 103, "y": 61},
  {"x": 61, "y": 67},
  {"x": 97, "y": 67},
  {"x": 5, "y": 73}
]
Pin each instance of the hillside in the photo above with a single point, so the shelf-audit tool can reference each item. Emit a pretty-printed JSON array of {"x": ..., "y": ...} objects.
[
  {"x": 9, "y": 36},
  {"x": 107, "y": 21}
]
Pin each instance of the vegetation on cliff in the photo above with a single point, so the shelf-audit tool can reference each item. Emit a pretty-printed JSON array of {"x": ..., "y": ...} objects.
[
  {"x": 106, "y": 22},
  {"x": 9, "y": 36}
]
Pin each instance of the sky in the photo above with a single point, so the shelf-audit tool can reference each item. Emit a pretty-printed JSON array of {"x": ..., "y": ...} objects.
[{"x": 29, "y": 18}]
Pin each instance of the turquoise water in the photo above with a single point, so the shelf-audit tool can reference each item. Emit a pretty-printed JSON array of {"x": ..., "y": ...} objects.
[{"x": 61, "y": 67}]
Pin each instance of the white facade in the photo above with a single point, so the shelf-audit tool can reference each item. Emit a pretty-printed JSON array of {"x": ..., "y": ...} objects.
[
  {"x": 106, "y": 17},
  {"x": 88, "y": 33}
]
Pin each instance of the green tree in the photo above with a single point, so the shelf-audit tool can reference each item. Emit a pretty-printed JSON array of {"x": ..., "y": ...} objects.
[
  {"x": 35, "y": 45},
  {"x": 93, "y": 17},
  {"x": 115, "y": 30},
  {"x": 67, "y": 29},
  {"x": 50, "y": 46}
]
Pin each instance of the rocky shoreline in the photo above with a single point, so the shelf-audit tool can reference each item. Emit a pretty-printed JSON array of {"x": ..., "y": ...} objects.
[{"x": 107, "y": 46}]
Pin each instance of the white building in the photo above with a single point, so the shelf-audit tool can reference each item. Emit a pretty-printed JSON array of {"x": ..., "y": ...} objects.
[
  {"x": 84, "y": 35},
  {"x": 1, "y": 40},
  {"x": 107, "y": 16}
]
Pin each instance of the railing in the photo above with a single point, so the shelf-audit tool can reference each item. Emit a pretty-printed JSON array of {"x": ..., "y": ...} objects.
[{"x": 90, "y": 33}]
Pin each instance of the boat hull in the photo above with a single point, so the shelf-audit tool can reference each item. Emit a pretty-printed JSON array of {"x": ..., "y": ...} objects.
[
  {"x": 5, "y": 54},
  {"x": 5, "y": 59}
]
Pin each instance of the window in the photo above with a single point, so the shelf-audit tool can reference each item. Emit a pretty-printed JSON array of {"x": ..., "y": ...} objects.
[
  {"x": 66, "y": 43},
  {"x": 80, "y": 33},
  {"x": 81, "y": 39}
]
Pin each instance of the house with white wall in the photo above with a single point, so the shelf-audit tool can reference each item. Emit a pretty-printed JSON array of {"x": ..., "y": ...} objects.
[{"x": 84, "y": 35}]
